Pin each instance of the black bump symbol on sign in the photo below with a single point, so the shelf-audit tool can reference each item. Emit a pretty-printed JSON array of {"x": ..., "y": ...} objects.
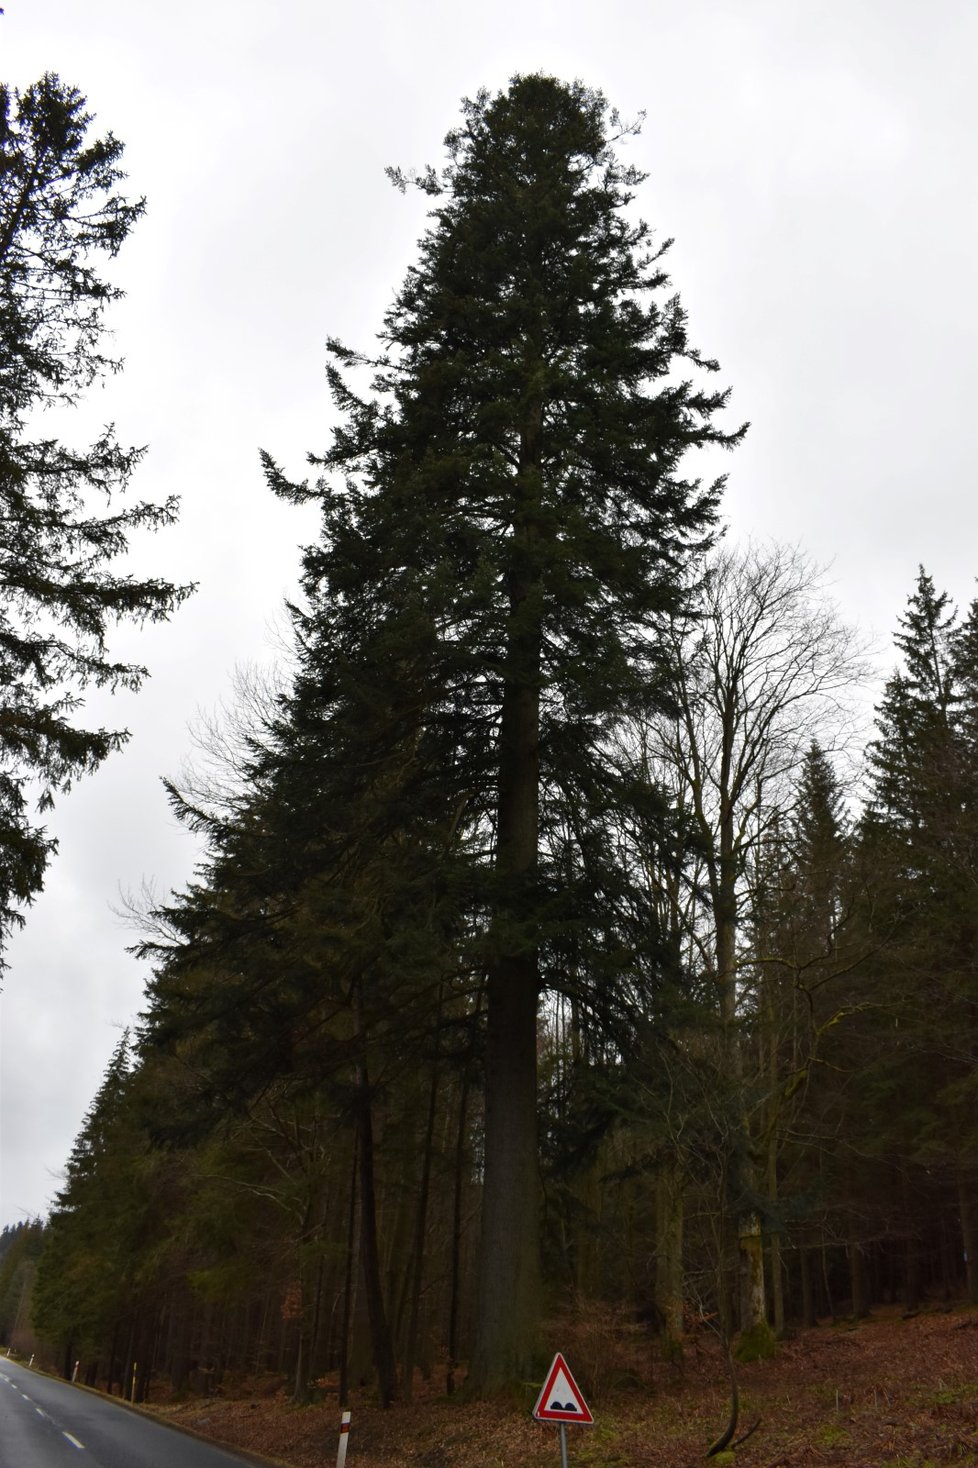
[{"x": 556, "y": 1406}]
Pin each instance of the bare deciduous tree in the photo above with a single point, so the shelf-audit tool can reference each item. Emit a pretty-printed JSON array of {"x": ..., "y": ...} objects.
[{"x": 763, "y": 666}]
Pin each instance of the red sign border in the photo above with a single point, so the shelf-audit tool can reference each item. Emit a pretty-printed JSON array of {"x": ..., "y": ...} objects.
[{"x": 546, "y": 1414}]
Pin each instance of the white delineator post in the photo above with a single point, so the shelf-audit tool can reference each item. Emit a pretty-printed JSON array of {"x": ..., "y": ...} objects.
[
  {"x": 344, "y": 1440},
  {"x": 74, "y": 1374}
]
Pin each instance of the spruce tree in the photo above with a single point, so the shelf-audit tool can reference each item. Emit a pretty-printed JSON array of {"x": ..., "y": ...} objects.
[
  {"x": 919, "y": 836},
  {"x": 84, "y": 1282},
  {"x": 818, "y": 853},
  {"x": 506, "y": 522},
  {"x": 62, "y": 524},
  {"x": 913, "y": 758}
]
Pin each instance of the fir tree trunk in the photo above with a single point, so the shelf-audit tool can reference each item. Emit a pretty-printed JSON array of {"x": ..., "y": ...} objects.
[
  {"x": 416, "y": 1272},
  {"x": 829, "y": 1300},
  {"x": 380, "y": 1336},
  {"x": 669, "y": 1208},
  {"x": 777, "y": 1283},
  {"x": 178, "y": 1348},
  {"x": 461, "y": 1150},
  {"x": 316, "y": 1327},
  {"x": 300, "y": 1385},
  {"x": 304, "y": 1331},
  {"x": 808, "y": 1317},
  {"x": 113, "y": 1349},
  {"x": 911, "y": 1280},
  {"x": 947, "y": 1261},
  {"x": 509, "y": 1299},
  {"x": 969, "y": 1238},
  {"x": 857, "y": 1277},
  {"x": 509, "y": 1282},
  {"x": 349, "y": 1278},
  {"x": 911, "y": 1253},
  {"x": 774, "y": 1237}
]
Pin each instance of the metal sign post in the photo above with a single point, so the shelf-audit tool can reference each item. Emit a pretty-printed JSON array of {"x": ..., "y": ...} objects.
[{"x": 560, "y": 1401}]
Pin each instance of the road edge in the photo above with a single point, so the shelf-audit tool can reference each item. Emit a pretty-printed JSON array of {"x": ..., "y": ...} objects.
[{"x": 141, "y": 1409}]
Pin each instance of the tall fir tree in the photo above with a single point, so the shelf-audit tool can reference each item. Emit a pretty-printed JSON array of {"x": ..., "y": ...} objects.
[
  {"x": 505, "y": 522},
  {"x": 919, "y": 834}
]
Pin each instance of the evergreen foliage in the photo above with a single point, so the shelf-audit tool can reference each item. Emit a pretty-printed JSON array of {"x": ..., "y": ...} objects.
[
  {"x": 242, "y": 1204},
  {"x": 91, "y": 1253},
  {"x": 61, "y": 523},
  {"x": 505, "y": 527},
  {"x": 522, "y": 484},
  {"x": 549, "y": 782},
  {"x": 913, "y": 758},
  {"x": 919, "y": 830},
  {"x": 20, "y": 1247}
]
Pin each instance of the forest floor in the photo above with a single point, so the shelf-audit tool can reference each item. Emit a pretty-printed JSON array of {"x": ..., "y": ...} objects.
[{"x": 888, "y": 1392}]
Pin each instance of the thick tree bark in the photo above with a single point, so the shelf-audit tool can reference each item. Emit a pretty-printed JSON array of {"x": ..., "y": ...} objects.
[
  {"x": 509, "y": 1293},
  {"x": 509, "y": 1282}
]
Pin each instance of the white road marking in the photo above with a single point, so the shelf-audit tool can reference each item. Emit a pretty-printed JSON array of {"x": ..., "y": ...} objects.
[{"x": 73, "y": 1440}]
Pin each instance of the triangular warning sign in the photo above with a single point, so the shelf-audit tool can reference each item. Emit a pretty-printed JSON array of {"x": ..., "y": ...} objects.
[{"x": 561, "y": 1400}]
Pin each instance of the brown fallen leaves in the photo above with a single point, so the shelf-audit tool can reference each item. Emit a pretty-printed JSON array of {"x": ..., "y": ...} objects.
[{"x": 886, "y": 1393}]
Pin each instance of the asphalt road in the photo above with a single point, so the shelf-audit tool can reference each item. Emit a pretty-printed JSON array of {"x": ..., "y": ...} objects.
[{"x": 46, "y": 1423}]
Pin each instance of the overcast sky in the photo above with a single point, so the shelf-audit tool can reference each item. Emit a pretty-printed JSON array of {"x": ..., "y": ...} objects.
[{"x": 815, "y": 163}]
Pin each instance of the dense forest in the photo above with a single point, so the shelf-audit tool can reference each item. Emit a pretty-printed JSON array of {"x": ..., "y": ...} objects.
[{"x": 560, "y": 944}]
